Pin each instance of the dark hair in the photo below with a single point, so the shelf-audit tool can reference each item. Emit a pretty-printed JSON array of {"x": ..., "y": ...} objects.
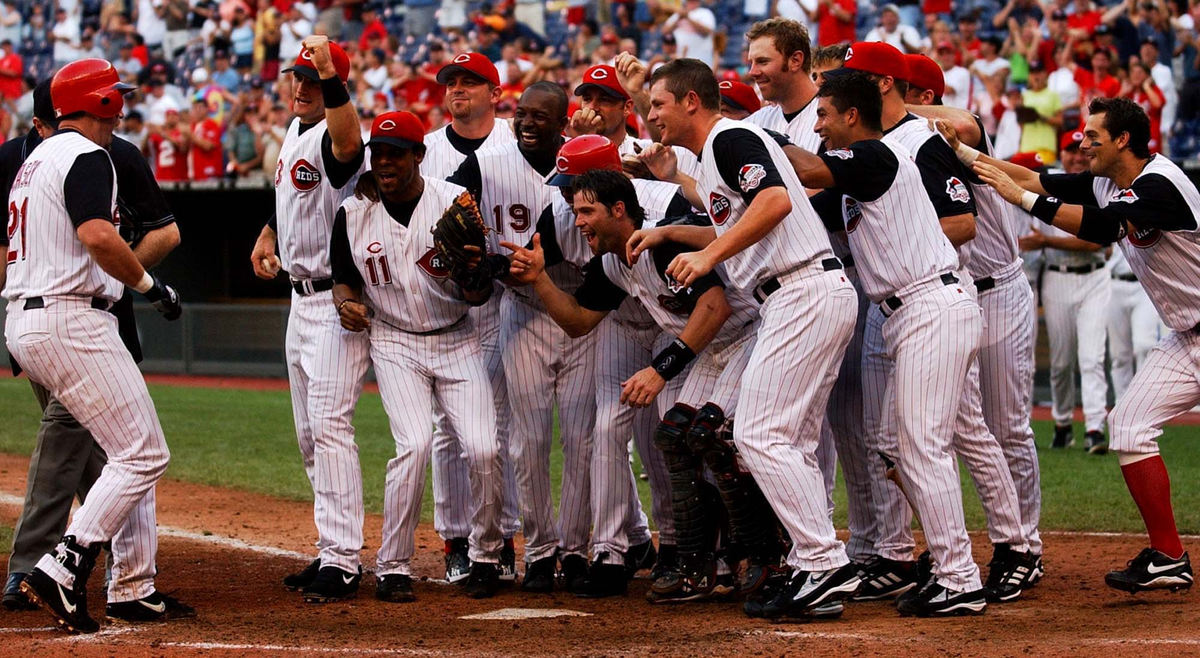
[
  {"x": 1122, "y": 115},
  {"x": 788, "y": 37},
  {"x": 832, "y": 54},
  {"x": 855, "y": 90},
  {"x": 553, "y": 89},
  {"x": 684, "y": 75},
  {"x": 607, "y": 187},
  {"x": 43, "y": 106}
]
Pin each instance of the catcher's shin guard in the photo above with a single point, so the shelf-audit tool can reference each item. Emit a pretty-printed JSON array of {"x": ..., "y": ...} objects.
[
  {"x": 752, "y": 523},
  {"x": 693, "y": 520}
]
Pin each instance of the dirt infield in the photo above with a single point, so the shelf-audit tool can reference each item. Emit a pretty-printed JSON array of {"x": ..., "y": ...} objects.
[{"x": 244, "y": 610}]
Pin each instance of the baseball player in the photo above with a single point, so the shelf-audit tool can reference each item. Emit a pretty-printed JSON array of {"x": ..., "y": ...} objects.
[
  {"x": 65, "y": 270},
  {"x": 1133, "y": 324},
  {"x": 773, "y": 244},
  {"x": 542, "y": 365},
  {"x": 701, "y": 316},
  {"x": 319, "y": 161},
  {"x": 908, "y": 270},
  {"x": 67, "y": 460},
  {"x": 472, "y": 91},
  {"x": 1006, "y": 353},
  {"x": 738, "y": 100},
  {"x": 1147, "y": 203},
  {"x": 390, "y": 280}
]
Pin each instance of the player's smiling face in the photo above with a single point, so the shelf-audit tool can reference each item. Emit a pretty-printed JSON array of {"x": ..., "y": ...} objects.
[
  {"x": 831, "y": 125},
  {"x": 667, "y": 114},
  {"x": 611, "y": 109},
  {"x": 307, "y": 102},
  {"x": 595, "y": 223},
  {"x": 469, "y": 96},
  {"x": 537, "y": 121},
  {"x": 770, "y": 69},
  {"x": 1098, "y": 146},
  {"x": 395, "y": 169}
]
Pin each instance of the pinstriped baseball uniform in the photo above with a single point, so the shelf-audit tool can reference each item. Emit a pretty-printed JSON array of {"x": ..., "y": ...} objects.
[
  {"x": 1133, "y": 324},
  {"x": 931, "y": 334},
  {"x": 686, "y": 161},
  {"x": 1158, "y": 213},
  {"x": 423, "y": 348},
  {"x": 542, "y": 365},
  {"x": 451, "y": 484},
  {"x": 326, "y": 363},
  {"x": 624, "y": 344},
  {"x": 71, "y": 347},
  {"x": 807, "y": 320}
]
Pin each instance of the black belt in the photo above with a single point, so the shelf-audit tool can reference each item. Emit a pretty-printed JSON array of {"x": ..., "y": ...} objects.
[
  {"x": 316, "y": 285},
  {"x": 985, "y": 283},
  {"x": 768, "y": 287},
  {"x": 1125, "y": 277},
  {"x": 441, "y": 330},
  {"x": 892, "y": 303},
  {"x": 98, "y": 303},
  {"x": 848, "y": 261},
  {"x": 1075, "y": 269}
]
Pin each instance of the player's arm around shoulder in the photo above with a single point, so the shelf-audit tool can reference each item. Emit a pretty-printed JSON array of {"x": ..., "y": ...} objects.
[{"x": 353, "y": 314}]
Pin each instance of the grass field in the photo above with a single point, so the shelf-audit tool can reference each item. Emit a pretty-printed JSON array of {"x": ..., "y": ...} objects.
[{"x": 245, "y": 439}]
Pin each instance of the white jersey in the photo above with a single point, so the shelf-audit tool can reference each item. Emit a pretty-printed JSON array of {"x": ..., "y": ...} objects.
[
  {"x": 997, "y": 229},
  {"x": 404, "y": 280},
  {"x": 686, "y": 161},
  {"x": 896, "y": 238},
  {"x": 45, "y": 256},
  {"x": 798, "y": 239},
  {"x": 799, "y": 130},
  {"x": 442, "y": 158},
  {"x": 305, "y": 202}
]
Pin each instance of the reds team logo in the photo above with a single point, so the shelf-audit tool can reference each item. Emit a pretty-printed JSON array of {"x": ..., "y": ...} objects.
[
  {"x": 598, "y": 74},
  {"x": 1124, "y": 196},
  {"x": 725, "y": 84},
  {"x": 461, "y": 59},
  {"x": 718, "y": 207},
  {"x": 433, "y": 264},
  {"x": 305, "y": 177},
  {"x": 375, "y": 247},
  {"x": 562, "y": 163},
  {"x": 957, "y": 190},
  {"x": 750, "y": 176},
  {"x": 852, "y": 212}
]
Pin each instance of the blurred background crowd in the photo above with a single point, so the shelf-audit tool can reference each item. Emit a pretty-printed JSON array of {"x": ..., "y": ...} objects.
[{"x": 211, "y": 104}]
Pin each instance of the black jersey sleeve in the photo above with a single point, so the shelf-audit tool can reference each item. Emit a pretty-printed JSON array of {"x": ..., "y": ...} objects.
[
  {"x": 140, "y": 202},
  {"x": 685, "y": 297},
  {"x": 865, "y": 170},
  {"x": 828, "y": 204},
  {"x": 1152, "y": 202},
  {"x": 88, "y": 188},
  {"x": 549, "y": 232},
  {"x": 945, "y": 178},
  {"x": 745, "y": 163},
  {"x": 341, "y": 261},
  {"x": 469, "y": 176},
  {"x": 679, "y": 206},
  {"x": 1071, "y": 188},
  {"x": 598, "y": 292},
  {"x": 339, "y": 172}
]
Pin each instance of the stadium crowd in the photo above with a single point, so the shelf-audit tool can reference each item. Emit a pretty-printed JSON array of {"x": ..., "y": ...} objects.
[{"x": 208, "y": 101}]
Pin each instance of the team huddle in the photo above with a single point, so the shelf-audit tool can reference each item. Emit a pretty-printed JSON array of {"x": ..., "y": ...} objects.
[{"x": 759, "y": 294}]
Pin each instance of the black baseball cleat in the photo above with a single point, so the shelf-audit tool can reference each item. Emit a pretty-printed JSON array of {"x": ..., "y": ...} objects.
[
  {"x": 68, "y": 605},
  {"x": 809, "y": 591},
  {"x": 1009, "y": 574},
  {"x": 13, "y": 598},
  {"x": 484, "y": 580},
  {"x": 508, "y": 562},
  {"x": 1039, "y": 570},
  {"x": 395, "y": 588},
  {"x": 1095, "y": 443},
  {"x": 884, "y": 579},
  {"x": 1064, "y": 437},
  {"x": 332, "y": 584},
  {"x": 933, "y": 600},
  {"x": 539, "y": 576},
  {"x": 458, "y": 563},
  {"x": 667, "y": 562},
  {"x": 301, "y": 579},
  {"x": 1152, "y": 569},
  {"x": 775, "y": 581},
  {"x": 574, "y": 572},
  {"x": 604, "y": 579},
  {"x": 641, "y": 556},
  {"x": 154, "y": 608}
]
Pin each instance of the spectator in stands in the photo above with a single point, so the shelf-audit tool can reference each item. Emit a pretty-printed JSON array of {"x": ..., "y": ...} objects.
[
  {"x": 835, "y": 21},
  {"x": 958, "y": 79},
  {"x": 626, "y": 29},
  {"x": 454, "y": 14},
  {"x": 607, "y": 52},
  {"x": 176, "y": 21},
  {"x": 1062, "y": 82},
  {"x": 1189, "y": 51},
  {"x": 243, "y": 143},
  {"x": 418, "y": 17},
  {"x": 126, "y": 64},
  {"x": 373, "y": 27},
  {"x": 267, "y": 36},
  {"x": 509, "y": 57},
  {"x": 272, "y": 133},
  {"x": 150, "y": 17},
  {"x": 1099, "y": 83},
  {"x": 1056, "y": 32},
  {"x": 24, "y": 103},
  {"x": 1140, "y": 88},
  {"x": 133, "y": 130},
  {"x": 937, "y": 32},
  {"x": 801, "y": 11},
  {"x": 241, "y": 37},
  {"x": 65, "y": 35},
  {"x": 1039, "y": 128},
  {"x": 1008, "y": 127},
  {"x": 968, "y": 38},
  {"x": 1084, "y": 19},
  {"x": 223, "y": 75},
  {"x": 12, "y": 70},
  {"x": 10, "y": 21},
  {"x": 586, "y": 43},
  {"x": 297, "y": 26},
  {"x": 1164, "y": 79},
  {"x": 891, "y": 31},
  {"x": 693, "y": 26},
  {"x": 529, "y": 12},
  {"x": 668, "y": 52},
  {"x": 88, "y": 47},
  {"x": 168, "y": 143},
  {"x": 1018, "y": 9},
  {"x": 1019, "y": 48},
  {"x": 991, "y": 69},
  {"x": 410, "y": 90},
  {"x": 375, "y": 70}
]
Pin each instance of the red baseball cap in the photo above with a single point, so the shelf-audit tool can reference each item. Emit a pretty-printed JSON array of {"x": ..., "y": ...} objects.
[
  {"x": 876, "y": 57},
  {"x": 581, "y": 155},
  {"x": 1028, "y": 159},
  {"x": 1070, "y": 140},
  {"x": 304, "y": 66},
  {"x": 604, "y": 78},
  {"x": 926, "y": 74},
  {"x": 740, "y": 95},
  {"x": 477, "y": 64},
  {"x": 400, "y": 129}
]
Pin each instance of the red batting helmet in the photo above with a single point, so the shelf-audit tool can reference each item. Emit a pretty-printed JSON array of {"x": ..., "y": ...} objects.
[
  {"x": 88, "y": 85},
  {"x": 583, "y": 154}
]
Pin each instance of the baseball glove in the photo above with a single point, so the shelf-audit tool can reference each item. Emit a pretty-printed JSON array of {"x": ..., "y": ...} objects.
[{"x": 458, "y": 230}]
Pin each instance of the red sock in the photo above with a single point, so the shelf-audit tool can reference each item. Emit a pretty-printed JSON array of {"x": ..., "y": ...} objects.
[{"x": 1150, "y": 487}]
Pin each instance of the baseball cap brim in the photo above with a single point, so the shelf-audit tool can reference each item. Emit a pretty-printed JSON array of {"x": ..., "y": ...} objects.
[
  {"x": 306, "y": 71},
  {"x": 728, "y": 100},
  {"x": 443, "y": 75},
  {"x": 394, "y": 141},
  {"x": 561, "y": 180},
  {"x": 608, "y": 90}
]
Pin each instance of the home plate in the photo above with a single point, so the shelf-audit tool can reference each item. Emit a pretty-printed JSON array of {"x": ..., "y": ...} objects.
[{"x": 527, "y": 613}]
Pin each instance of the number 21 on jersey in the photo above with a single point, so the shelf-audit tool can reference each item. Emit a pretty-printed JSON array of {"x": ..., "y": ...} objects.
[{"x": 16, "y": 223}]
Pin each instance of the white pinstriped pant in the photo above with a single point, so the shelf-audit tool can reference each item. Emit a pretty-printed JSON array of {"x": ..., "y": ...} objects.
[
  {"x": 1166, "y": 385},
  {"x": 805, "y": 326},
  {"x": 413, "y": 372},
  {"x": 1076, "y": 309},
  {"x": 618, "y": 519},
  {"x": 1133, "y": 329},
  {"x": 542, "y": 367},
  {"x": 452, "y": 500},
  {"x": 326, "y": 369},
  {"x": 75, "y": 352}
]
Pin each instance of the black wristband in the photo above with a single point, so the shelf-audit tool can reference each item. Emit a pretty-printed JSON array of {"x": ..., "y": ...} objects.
[
  {"x": 334, "y": 92},
  {"x": 1045, "y": 208},
  {"x": 673, "y": 359}
]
